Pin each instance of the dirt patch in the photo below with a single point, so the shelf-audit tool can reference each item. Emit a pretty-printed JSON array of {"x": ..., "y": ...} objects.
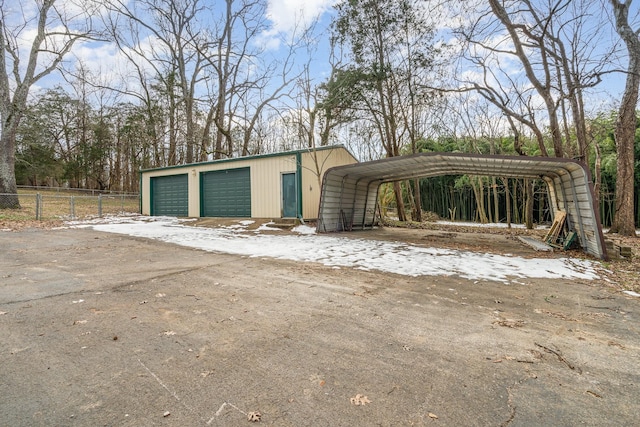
[
  {"x": 263, "y": 225},
  {"x": 18, "y": 225},
  {"x": 102, "y": 329}
]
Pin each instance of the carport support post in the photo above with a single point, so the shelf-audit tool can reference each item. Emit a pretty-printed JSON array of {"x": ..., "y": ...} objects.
[
  {"x": 377, "y": 207},
  {"x": 340, "y": 215},
  {"x": 552, "y": 205},
  {"x": 364, "y": 212},
  {"x": 366, "y": 204},
  {"x": 353, "y": 205},
  {"x": 578, "y": 213}
]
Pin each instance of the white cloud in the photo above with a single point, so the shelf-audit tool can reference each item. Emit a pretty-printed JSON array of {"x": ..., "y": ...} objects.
[
  {"x": 291, "y": 18},
  {"x": 288, "y": 15}
]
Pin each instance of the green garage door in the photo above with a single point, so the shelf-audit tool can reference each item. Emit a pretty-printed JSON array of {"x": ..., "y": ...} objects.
[
  {"x": 226, "y": 193},
  {"x": 170, "y": 195}
]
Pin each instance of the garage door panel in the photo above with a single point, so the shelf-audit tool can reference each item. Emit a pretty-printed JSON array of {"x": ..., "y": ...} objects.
[
  {"x": 170, "y": 195},
  {"x": 226, "y": 193}
]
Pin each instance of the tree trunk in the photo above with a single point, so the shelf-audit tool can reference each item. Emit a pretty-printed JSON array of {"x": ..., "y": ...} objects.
[
  {"x": 528, "y": 211},
  {"x": 397, "y": 190},
  {"x": 496, "y": 199},
  {"x": 206, "y": 136},
  {"x": 514, "y": 198},
  {"x": 173, "y": 133},
  {"x": 417, "y": 199},
  {"x": 597, "y": 172},
  {"x": 478, "y": 190},
  {"x": 624, "y": 221},
  {"x": 488, "y": 206},
  {"x": 8, "y": 189},
  {"x": 189, "y": 125},
  {"x": 505, "y": 181},
  {"x": 12, "y": 107}
]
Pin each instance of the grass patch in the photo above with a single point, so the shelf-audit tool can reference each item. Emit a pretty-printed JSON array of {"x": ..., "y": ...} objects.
[{"x": 59, "y": 205}]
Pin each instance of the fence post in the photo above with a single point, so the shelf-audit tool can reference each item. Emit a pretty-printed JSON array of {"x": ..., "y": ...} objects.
[
  {"x": 100, "y": 205},
  {"x": 38, "y": 206},
  {"x": 72, "y": 207}
]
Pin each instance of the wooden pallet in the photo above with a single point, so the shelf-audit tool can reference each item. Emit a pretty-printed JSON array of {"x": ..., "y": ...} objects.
[{"x": 556, "y": 227}]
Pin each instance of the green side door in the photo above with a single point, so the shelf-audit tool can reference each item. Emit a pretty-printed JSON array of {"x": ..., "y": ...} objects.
[
  {"x": 289, "y": 196},
  {"x": 226, "y": 193},
  {"x": 170, "y": 195}
]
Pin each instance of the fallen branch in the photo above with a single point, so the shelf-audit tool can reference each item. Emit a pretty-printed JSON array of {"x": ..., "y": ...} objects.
[{"x": 561, "y": 358}]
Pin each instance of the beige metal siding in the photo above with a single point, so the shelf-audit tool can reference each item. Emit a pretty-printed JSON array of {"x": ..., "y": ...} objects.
[
  {"x": 266, "y": 179},
  {"x": 314, "y": 165},
  {"x": 265, "y": 183}
]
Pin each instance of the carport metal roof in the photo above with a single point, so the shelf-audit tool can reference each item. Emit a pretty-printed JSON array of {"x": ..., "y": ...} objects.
[{"x": 350, "y": 193}]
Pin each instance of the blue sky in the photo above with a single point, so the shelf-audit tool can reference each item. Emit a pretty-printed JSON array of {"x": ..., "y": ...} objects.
[{"x": 286, "y": 17}]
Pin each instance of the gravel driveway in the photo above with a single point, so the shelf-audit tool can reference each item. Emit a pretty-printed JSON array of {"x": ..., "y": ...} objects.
[{"x": 105, "y": 329}]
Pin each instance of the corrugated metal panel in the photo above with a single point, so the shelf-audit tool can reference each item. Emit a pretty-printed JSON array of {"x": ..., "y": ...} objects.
[{"x": 347, "y": 195}]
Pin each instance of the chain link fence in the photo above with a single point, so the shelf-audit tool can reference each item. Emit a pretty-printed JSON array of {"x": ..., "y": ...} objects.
[{"x": 58, "y": 206}]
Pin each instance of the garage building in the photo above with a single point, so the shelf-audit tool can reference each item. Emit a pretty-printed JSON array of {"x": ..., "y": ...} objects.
[{"x": 280, "y": 185}]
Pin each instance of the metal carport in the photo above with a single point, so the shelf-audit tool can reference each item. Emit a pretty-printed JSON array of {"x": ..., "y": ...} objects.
[{"x": 350, "y": 193}]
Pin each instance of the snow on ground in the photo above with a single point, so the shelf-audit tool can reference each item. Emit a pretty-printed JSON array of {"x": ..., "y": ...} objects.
[
  {"x": 304, "y": 229},
  {"x": 266, "y": 227},
  {"x": 487, "y": 225},
  {"x": 336, "y": 251}
]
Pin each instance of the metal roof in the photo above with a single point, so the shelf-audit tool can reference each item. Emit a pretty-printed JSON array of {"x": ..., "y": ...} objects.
[
  {"x": 350, "y": 193},
  {"x": 252, "y": 157}
]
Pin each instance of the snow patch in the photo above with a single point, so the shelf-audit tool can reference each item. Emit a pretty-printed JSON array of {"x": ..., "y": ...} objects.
[
  {"x": 334, "y": 251},
  {"x": 488, "y": 225},
  {"x": 304, "y": 229},
  {"x": 265, "y": 227}
]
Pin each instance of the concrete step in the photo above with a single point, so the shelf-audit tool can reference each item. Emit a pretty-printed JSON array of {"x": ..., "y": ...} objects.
[{"x": 284, "y": 223}]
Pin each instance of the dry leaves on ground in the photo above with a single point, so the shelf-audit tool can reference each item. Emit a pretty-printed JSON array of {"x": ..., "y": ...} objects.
[
  {"x": 359, "y": 400},
  {"x": 254, "y": 416}
]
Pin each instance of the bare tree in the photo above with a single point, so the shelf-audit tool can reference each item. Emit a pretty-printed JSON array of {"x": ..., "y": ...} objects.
[
  {"x": 58, "y": 28},
  {"x": 553, "y": 43},
  {"x": 625, "y": 131},
  {"x": 168, "y": 37},
  {"x": 274, "y": 85},
  {"x": 243, "y": 80}
]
